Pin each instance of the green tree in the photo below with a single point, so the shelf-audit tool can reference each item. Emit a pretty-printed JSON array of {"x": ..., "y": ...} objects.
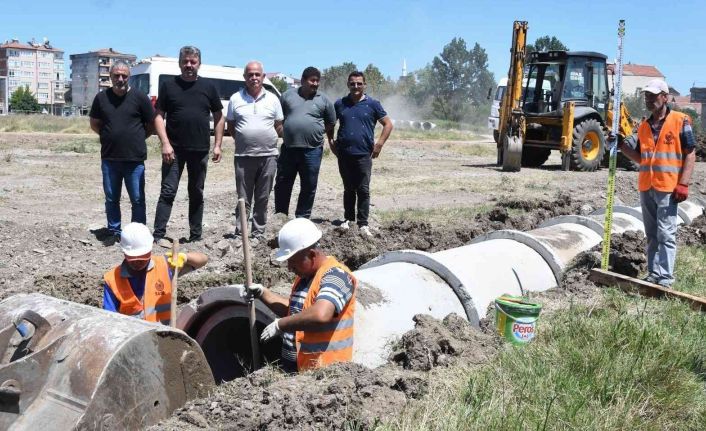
[
  {"x": 280, "y": 84},
  {"x": 546, "y": 43},
  {"x": 22, "y": 100},
  {"x": 695, "y": 119},
  {"x": 334, "y": 79},
  {"x": 457, "y": 81},
  {"x": 377, "y": 84},
  {"x": 636, "y": 106}
]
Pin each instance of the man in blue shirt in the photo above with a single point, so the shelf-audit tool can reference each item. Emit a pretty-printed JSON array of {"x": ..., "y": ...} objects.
[{"x": 355, "y": 148}]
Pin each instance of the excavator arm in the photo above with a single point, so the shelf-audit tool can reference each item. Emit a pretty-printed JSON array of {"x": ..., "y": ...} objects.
[{"x": 511, "y": 119}]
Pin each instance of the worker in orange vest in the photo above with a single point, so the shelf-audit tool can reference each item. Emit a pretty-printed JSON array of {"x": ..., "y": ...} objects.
[
  {"x": 316, "y": 322},
  {"x": 141, "y": 285},
  {"x": 665, "y": 152}
]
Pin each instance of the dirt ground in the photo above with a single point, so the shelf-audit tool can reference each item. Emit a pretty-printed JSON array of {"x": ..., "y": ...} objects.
[{"x": 426, "y": 195}]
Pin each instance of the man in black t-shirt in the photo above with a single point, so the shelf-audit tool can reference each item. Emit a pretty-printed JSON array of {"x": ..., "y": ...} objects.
[
  {"x": 122, "y": 117},
  {"x": 187, "y": 102}
]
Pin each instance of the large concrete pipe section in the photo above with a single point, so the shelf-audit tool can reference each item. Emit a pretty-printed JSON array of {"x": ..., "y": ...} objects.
[{"x": 70, "y": 366}]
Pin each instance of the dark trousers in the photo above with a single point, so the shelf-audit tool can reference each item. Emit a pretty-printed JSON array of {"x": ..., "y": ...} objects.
[
  {"x": 196, "y": 163},
  {"x": 306, "y": 163},
  {"x": 114, "y": 174},
  {"x": 355, "y": 173}
]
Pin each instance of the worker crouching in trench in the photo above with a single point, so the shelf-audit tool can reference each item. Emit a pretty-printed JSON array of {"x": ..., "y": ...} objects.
[
  {"x": 141, "y": 285},
  {"x": 316, "y": 322}
]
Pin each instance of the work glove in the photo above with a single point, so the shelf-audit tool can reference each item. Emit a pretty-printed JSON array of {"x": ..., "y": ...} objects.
[
  {"x": 272, "y": 330},
  {"x": 255, "y": 290},
  {"x": 681, "y": 192},
  {"x": 180, "y": 261}
]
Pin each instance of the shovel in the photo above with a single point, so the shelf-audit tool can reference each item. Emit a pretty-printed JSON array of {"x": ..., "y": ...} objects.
[
  {"x": 254, "y": 342},
  {"x": 175, "y": 279}
]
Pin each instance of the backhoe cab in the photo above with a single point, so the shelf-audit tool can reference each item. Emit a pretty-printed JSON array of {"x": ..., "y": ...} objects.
[{"x": 559, "y": 100}]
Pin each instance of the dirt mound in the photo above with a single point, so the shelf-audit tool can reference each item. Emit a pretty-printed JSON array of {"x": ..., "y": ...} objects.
[
  {"x": 627, "y": 256},
  {"x": 354, "y": 249},
  {"x": 435, "y": 343},
  {"x": 82, "y": 287},
  {"x": 342, "y": 396},
  {"x": 694, "y": 233},
  {"x": 338, "y": 397}
]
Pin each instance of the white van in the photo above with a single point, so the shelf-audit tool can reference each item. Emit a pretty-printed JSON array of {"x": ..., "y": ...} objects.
[
  {"x": 494, "y": 119},
  {"x": 148, "y": 74}
]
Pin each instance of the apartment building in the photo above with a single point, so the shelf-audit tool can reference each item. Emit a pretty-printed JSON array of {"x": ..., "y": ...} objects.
[
  {"x": 38, "y": 66},
  {"x": 90, "y": 74}
]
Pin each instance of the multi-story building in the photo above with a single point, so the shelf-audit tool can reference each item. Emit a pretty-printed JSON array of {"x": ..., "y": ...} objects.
[
  {"x": 90, "y": 74},
  {"x": 38, "y": 66}
]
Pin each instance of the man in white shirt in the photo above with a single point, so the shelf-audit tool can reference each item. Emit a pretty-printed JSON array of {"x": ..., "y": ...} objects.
[{"x": 255, "y": 121}]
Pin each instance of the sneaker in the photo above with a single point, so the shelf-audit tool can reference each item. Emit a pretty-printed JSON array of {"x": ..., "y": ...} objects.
[
  {"x": 650, "y": 279},
  {"x": 111, "y": 240},
  {"x": 345, "y": 225},
  {"x": 365, "y": 230}
]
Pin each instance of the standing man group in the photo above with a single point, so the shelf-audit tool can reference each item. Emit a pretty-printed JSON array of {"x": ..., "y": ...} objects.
[
  {"x": 255, "y": 122},
  {"x": 665, "y": 152},
  {"x": 122, "y": 117},
  {"x": 187, "y": 102},
  {"x": 308, "y": 114},
  {"x": 355, "y": 147}
]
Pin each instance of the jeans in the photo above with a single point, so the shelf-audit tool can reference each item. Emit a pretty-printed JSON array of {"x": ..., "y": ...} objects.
[
  {"x": 133, "y": 174},
  {"x": 196, "y": 163},
  {"x": 305, "y": 162},
  {"x": 659, "y": 215},
  {"x": 253, "y": 182},
  {"x": 355, "y": 173}
]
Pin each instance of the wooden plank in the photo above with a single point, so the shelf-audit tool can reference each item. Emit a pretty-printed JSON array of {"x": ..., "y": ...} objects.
[{"x": 629, "y": 284}]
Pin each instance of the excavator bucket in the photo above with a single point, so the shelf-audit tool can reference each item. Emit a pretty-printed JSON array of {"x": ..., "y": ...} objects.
[{"x": 70, "y": 366}]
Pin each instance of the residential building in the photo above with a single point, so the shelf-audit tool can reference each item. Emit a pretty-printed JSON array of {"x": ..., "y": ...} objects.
[
  {"x": 90, "y": 74},
  {"x": 635, "y": 77},
  {"x": 38, "y": 66},
  {"x": 291, "y": 82}
]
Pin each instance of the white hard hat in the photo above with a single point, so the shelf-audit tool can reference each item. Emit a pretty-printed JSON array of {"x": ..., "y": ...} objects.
[
  {"x": 136, "y": 239},
  {"x": 296, "y": 235}
]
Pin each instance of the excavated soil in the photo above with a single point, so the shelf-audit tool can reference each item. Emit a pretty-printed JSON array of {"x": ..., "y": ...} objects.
[
  {"x": 342, "y": 396},
  {"x": 694, "y": 233},
  {"x": 701, "y": 148}
]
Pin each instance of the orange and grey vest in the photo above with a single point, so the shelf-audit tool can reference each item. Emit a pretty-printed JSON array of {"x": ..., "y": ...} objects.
[
  {"x": 332, "y": 341},
  {"x": 661, "y": 161},
  {"x": 157, "y": 303}
]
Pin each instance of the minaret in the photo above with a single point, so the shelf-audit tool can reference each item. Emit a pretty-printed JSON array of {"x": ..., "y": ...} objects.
[{"x": 404, "y": 67}]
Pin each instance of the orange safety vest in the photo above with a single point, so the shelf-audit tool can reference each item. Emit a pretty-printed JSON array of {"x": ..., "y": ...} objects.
[
  {"x": 332, "y": 341},
  {"x": 661, "y": 162},
  {"x": 157, "y": 299}
]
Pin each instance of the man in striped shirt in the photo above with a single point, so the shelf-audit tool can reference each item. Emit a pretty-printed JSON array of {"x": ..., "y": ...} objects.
[{"x": 317, "y": 319}]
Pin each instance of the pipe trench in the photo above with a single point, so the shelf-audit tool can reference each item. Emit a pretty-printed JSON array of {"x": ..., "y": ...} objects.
[{"x": 399, "y": 284}]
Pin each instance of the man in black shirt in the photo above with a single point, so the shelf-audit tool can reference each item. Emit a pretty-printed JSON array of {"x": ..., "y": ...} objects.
[
  {"x": 122, "y": 117},
  {"x": 187, "y": 102}
]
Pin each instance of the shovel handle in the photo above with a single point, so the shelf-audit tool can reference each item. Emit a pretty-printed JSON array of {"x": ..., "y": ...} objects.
[
  {"x": 175, "y": 280},
  {"x": 252, "y": 320}
]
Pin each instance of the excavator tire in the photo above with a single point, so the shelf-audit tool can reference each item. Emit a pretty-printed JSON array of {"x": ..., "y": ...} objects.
[
  {"x": 534, "y": 157},
  {"x": 496, "y": 136},
  {"x": 588, "y": 146}
]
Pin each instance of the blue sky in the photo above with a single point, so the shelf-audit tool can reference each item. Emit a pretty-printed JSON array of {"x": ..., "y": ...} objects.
[{"x": 288, "y": 36}]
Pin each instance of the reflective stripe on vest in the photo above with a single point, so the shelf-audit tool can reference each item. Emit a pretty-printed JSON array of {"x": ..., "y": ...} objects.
[
  {"x": 330, "y": 342},
  {"x": 156, "y": 298},
  {"x": 661, "y": 161}
]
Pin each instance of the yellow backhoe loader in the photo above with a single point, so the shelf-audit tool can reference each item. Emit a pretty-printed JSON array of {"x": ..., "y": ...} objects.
[{"x": 564, "y": 104}]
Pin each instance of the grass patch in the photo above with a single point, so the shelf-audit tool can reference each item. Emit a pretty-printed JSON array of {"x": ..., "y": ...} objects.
[
  {"x": 437, "y": 216},
  {"x": 436, "y": 134},
  {"x": 479, "y": 150},
  {"x": 80, "y": 146},
  {"x": 690, "y": 270},
  {"x": 44, "y": 123},
  {"x": 633, "y": 363}
]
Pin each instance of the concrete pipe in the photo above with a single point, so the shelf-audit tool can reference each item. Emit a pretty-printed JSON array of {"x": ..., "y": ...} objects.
[
  {"x": 71, "y": 366},
  {"x": 218, "y": 321}
]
